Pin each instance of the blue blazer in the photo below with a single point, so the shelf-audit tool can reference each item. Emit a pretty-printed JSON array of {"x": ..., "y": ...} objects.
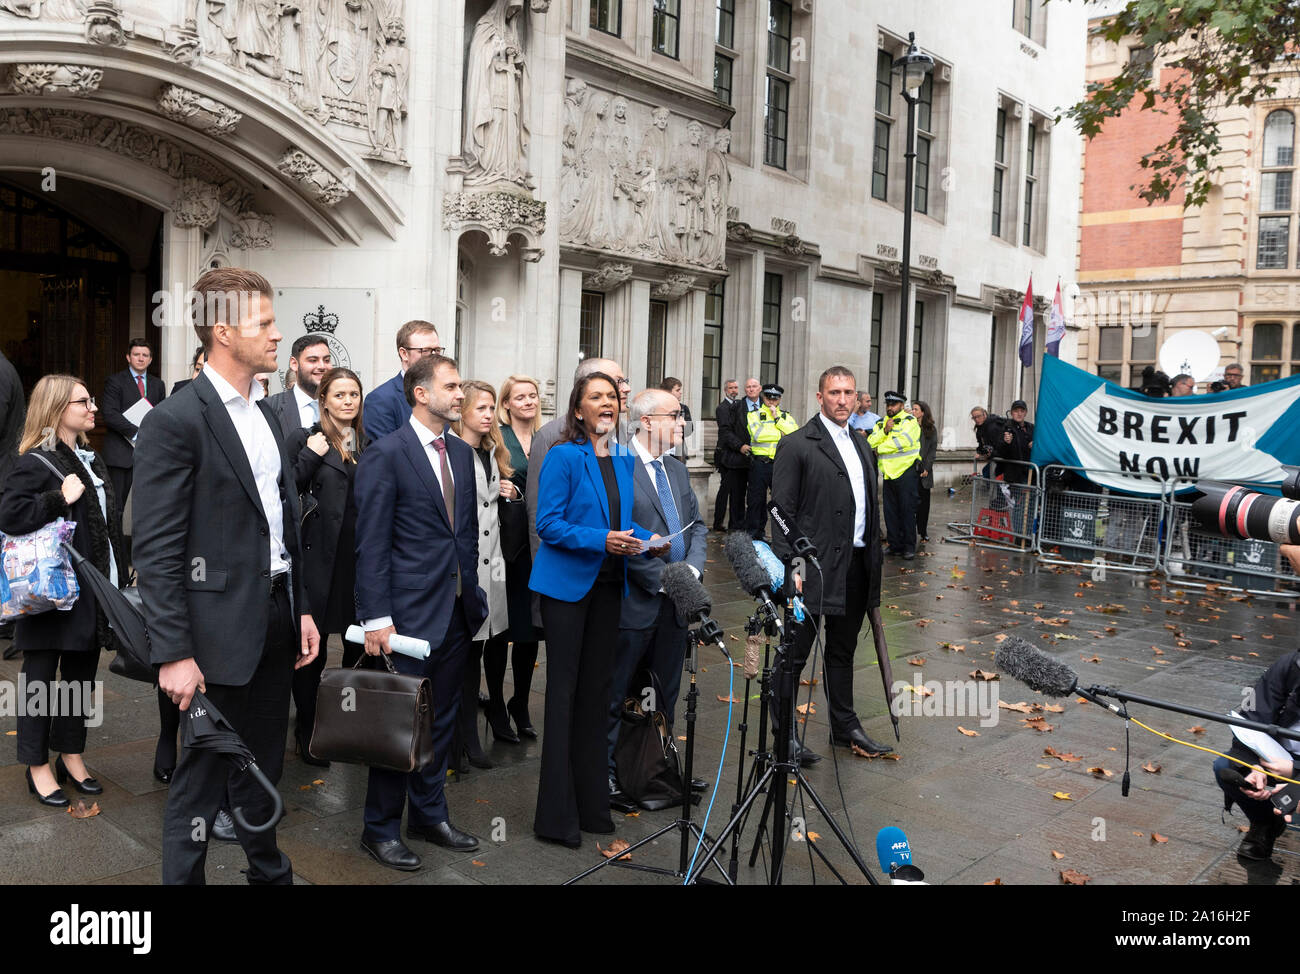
[
  {"x": 573, "y": 519},
  {"x": 407, "y": 553},
  {"x": 386, "y": 408}
]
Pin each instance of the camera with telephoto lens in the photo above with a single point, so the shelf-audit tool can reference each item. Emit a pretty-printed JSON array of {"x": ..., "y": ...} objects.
[{"x": 1235, "y": 511}]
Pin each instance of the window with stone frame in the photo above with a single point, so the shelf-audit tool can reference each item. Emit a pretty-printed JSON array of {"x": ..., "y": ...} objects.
[
  {"x": 1029, "y": 17},
  {"x": 1277, "y": 172},
  {"x": 884, "y": 125},
  {"x": 1033, "y": 209},
  {"x": 665, "y": 29},
  {"x": 657, "y": 344},
  {"x": 999, "y": 171},
  {"x": 780, "y": 78},
  {"x": 726, "y": 51},
  {"x": 1143, "y": 346},
  {"x": 877, "y": 331},
  {"x": 924, "y": 145},
  {"x": 714, "y": 313},
  {"x": 591, "y": 324},
  {"x": 607, "y": 16},
  {"x": 770, "y": 345},
  {"x": 1110, "y": 353},
  {"x": 889, "y": 153},
  {"x": 1266, "y": 357},
  {"x": 918, "y": 345}
]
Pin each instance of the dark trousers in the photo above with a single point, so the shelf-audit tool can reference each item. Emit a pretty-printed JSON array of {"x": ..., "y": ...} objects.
[
  {"x": 731, "y": 495},
  {"x": 306, "y": 682},
  {"x": 760, "y": 481},
  {"x": 389, "y": 790},
  {"x": 120, "y": 478},
  {"x": 259, "y": 713},
  {"x": 38, "y": 734},
  {"x": 466, "y": 737},
  {"x": 523, "y": 658},
  {"x": 662, "y": 650},
  {"x": 923, "y": 511},
  {"x": 573, "y": 787},
  {"x": 839, "y": 641},
  {"x": 900, "y": 511}
]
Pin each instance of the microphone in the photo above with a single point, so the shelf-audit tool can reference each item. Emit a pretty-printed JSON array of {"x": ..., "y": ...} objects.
[
  {"x": 895, "y": 856},
  {"x": 798, "y": 542},
  {"x": 692, "y": 602},
  {"x": 1034, "y": 668},
  {"x": 753, "y": 577}
]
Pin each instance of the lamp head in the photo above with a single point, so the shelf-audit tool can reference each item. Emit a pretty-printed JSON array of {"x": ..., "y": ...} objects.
[{"x": 913, "y": 66}]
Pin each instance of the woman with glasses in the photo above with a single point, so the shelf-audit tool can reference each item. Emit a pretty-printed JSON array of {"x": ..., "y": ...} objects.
[
  {"x": 325, "y": 461},
  {"x": 519, "y": 416},
  {"x": 56, "y": 644}
]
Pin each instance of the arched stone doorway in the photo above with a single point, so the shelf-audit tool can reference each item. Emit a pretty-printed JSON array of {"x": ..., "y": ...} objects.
[{"x": 77, "y": 269}]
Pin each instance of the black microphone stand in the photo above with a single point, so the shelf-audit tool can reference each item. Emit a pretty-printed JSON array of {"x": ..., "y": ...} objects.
[
  {"x": 758, "y": 623},
  {"x": 707, "y": 633},
  {"x": 774, "y": 783}
]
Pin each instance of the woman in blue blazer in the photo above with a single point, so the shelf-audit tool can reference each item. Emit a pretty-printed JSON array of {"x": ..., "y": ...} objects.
[{"x": 584, "y": 523}]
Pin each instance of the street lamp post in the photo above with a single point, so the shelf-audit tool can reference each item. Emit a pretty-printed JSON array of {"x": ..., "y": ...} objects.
[{"x": 913, "y": 66}]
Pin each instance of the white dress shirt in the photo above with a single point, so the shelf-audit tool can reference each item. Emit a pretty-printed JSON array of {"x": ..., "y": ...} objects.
[
  {"x": 307, "y": 416},
  {"x": 647, "y": 461},
  {"x": 263, "y": 456},
  {"x": 426, "y": 438},
  {"x": 843, "y": 440}
]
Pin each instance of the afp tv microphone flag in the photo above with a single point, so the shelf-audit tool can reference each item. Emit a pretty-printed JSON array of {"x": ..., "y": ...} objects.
[
  {"x": 1132, "y": 443},
  {"x": 1027, "y": 327}
]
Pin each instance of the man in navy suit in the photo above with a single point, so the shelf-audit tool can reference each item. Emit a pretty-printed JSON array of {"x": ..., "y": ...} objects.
[
  {"x": 649, "y": 633},
  {"x": 386, "y": 407},
  {"x": 417, "y": 574},
  {"x": 122, "y": 390}
]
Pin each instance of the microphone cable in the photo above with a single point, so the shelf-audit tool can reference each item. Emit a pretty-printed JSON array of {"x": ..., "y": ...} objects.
[{"x": 717, "y": 778}]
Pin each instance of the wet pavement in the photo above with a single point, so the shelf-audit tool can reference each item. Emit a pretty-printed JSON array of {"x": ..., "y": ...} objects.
[{"x": 978, "y": 808}]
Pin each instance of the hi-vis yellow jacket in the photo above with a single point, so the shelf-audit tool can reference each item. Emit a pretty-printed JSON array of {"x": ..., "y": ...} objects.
[
  {"x": 766, "y": 430},
  {"x": 900, "y": 447}
]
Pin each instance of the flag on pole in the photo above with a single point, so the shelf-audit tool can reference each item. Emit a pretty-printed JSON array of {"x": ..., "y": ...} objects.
[
  {"x": 1027, "y": 326},
  {"x": 1056, "y": 325}
]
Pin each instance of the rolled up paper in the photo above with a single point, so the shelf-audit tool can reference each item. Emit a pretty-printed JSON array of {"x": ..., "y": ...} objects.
[{"x": 406, "y": 645}]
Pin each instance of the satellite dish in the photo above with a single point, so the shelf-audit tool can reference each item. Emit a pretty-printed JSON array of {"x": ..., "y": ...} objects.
[{"x": 1192, "y": 351}]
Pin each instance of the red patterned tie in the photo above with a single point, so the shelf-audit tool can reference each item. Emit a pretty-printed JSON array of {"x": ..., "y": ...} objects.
[{"x": 139, "y": 384}]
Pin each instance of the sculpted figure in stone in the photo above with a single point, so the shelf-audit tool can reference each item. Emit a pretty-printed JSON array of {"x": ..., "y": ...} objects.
[
  {"x": 624, "y": 182},
  {"x": 388, "y": 81},
  {"x": 590, "y": 221},
  {"x": 341, "y": 29},
  {"x": 657, "y": 220},
  {"x": 497, "y": 92},
  {"x": 717, "y": 190},
  {"x": 215, "y": 21},
  {"x": 688, "y": 170},
  {"x": 257, "y": 37},
  {"x": 302, "y": 59},
  {"x": 571, "y": 173}
]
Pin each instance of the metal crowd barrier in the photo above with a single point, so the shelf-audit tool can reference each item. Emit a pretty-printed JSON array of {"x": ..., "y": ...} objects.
[
  {"x": 1082, "y": 523},
  {"x": 1195, "y": 558},
  {"x": 1003, "y": 513}
]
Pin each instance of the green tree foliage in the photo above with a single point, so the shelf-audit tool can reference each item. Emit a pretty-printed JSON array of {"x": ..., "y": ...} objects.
[{"x": 1216, "y": 53}]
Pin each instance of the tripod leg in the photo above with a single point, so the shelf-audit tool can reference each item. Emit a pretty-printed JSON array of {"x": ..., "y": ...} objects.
[
  {"x": 834, "y": 826},
  {"x": 731, "y": 826},
  {"x": 762, "y": 827},
  {"x": 732, "y": 866}
]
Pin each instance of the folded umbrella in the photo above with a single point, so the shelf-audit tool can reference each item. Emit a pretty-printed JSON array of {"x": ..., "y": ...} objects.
[
  {"x": 206, "y": 728},
  {"x": 886, "y": 667}
]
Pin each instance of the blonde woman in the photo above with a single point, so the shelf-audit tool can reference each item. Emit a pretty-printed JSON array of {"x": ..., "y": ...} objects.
[
  {"x": 62, "y": 645},
  {"x": 520, "y": 416},
  {"x": 478, "y": 428},
  {"x": 324, "y": 463}
]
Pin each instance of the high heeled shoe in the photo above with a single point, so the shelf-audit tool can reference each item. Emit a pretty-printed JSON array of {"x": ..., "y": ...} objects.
[
  {"x": 55, "y": 799},
  {"x": 86, "y": 785},
  {"x": 499, "y": 720},
  {"x": 519, "y": 712},
  {"x": 478, "y": 759},
  {"x": 300, "y": 748}
]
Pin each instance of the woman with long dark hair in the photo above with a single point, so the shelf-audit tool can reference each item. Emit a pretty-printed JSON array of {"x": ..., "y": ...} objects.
[
  {"x": 477, "y": 427},
  {"x": 929, "y": 444},
  {"x": 584, "y": 524},
  {"x": 519, "y": 415},
  {"x": 62, "y": 644},
  {"x": 324, "y": 465}
]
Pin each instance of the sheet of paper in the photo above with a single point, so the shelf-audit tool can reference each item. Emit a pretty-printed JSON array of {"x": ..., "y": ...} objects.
[
  {"x": 666, "y": 538},
  {"x": 137, "y": 412}
]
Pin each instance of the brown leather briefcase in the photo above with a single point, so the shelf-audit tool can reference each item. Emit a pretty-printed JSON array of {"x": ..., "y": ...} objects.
[{"x": 380, "y": 718}]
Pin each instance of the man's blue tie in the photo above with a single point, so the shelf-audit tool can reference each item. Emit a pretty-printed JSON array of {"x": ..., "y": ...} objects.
[
  {"x": 315, "y": 411},
  {"x": 676, "y": 547}
]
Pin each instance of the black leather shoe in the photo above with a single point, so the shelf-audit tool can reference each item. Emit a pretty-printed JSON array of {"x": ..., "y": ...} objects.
[
  {"x": 86, "y": 785},
  {"x": 803, "y": 755},
  {"x": 478, "y": 759},
  {"x": 11, "y": 651},
  {"x": 301, "y": 744},
  {"x": 163, "y": 774},
  {"x": 618, "y": 801},
  {"x": 394, "y": 854},
  {"x": 908, "y": 555},
  {"x": 699, "y": 784},
  {"x": 223, "y": 828},
  {"x": 499, "y": 721},
  {"x": 444, "y": 834},
  {"x": 859, "y": 737},
  {"x": 55, "y": 799},
  {"x": 522, "y": 721}
]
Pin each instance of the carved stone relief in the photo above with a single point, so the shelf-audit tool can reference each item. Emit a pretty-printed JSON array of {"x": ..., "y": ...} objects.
[
  {"x": 323, "y": 184},
  {"x": 639, "y": 181},
  {"x": 499, "y": 215},
  {"x": 498, "y": 92},
  {"x": 197, "y": 203},
  {"x": 197, "y": 111},
  {"x": 104, "y": 24},
  {"x": 673, "y": 287},
  {"x": 253, "y": 231},
  {"x": 608, "y": 276},
  {"x": 54, "y": 79}
]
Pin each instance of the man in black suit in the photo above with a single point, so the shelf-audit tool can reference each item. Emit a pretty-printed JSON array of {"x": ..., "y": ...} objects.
[
  {"x": 824, "y": 479},
  {"x": 417, "y": 575},
  {"x": 296, "y": 408},
  {"x": 218, "y": 565},
  {"x": 649, "y": 633},
  {"x": 122, "y": 390},
  {"x": 733, "y": 466}
]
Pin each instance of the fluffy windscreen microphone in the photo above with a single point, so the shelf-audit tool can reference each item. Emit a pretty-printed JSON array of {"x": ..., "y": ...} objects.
[
  {"x": 739, "y": 549},
  {"x": 1034, "y": 668},
  {"x": 685, "y": 592}
]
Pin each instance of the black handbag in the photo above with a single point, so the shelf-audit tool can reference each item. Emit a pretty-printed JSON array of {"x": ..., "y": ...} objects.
[
  {"x": 649, "y": 771},
  {"x": 379, "y": 718},
  {"x": 513, "y": 519}
]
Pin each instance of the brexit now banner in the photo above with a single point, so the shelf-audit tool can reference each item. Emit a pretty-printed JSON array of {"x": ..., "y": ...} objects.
[{"x": 1133, "y": 443}]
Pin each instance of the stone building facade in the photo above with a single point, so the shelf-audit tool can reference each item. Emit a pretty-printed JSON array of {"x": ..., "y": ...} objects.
[{"x": 705, "y": 189}]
